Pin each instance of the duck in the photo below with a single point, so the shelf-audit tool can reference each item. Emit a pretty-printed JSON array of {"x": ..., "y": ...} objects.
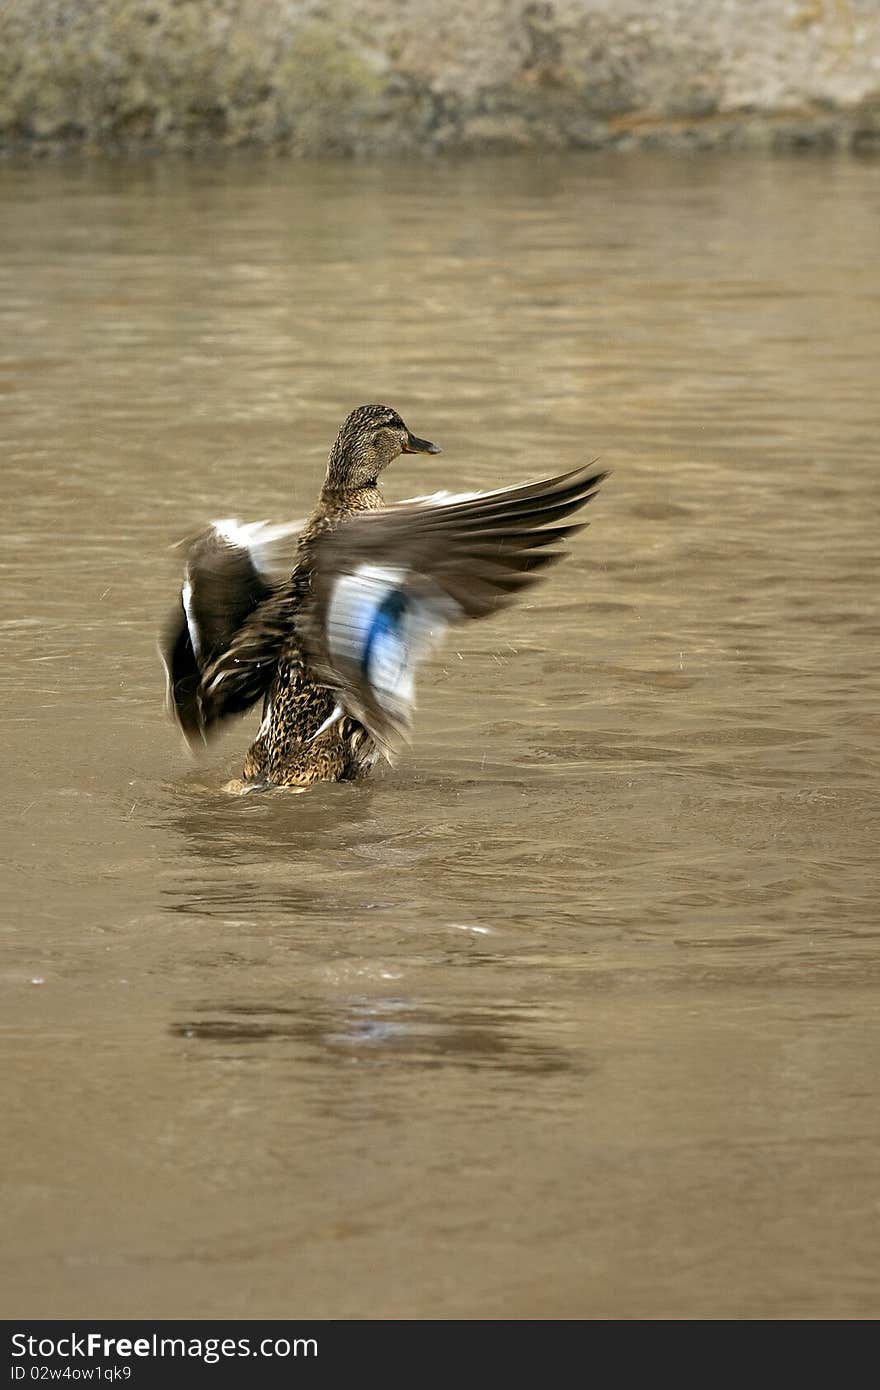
[{"x": 325, "y": 620}]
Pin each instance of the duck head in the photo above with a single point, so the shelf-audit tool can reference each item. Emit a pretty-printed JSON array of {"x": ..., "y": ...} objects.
[{"x": 372, "y": 437}]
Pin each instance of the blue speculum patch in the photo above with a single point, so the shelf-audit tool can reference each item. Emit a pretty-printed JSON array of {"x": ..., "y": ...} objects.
[{"x": 387, "y": 623}]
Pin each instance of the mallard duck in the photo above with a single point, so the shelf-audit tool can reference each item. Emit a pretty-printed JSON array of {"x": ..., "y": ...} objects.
[{"x": 330, "y": 637}]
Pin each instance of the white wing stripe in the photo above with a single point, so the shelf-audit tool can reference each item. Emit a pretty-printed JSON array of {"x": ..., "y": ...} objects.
[
  {"x": 186, "y": 595},
  {"x": 257, "y": 538}
]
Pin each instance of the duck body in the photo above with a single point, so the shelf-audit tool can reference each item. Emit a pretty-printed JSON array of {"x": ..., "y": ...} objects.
[
  {"x": 326, "y": 621},
  {"x": 288, "y": 750}
]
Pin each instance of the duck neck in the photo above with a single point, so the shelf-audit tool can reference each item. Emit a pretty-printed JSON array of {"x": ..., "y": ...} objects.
[
  {"x": 335, "y": 505},
  {"x": 339, "y": 500}
]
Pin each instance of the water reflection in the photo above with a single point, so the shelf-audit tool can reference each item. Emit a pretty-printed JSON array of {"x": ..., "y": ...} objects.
[{"x": 386, "y": 1031}]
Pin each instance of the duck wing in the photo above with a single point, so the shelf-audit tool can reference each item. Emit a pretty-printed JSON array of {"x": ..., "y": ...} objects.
[
  {"x": 386, "y": 585},
  {"x": 229, "y": 570}
]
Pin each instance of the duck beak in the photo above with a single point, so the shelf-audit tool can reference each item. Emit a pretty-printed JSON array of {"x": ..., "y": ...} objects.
[{"x": 420, "y": 446}]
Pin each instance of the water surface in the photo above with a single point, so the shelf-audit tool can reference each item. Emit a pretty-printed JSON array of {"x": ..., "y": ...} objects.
[{"x": 574, "y": 1013}]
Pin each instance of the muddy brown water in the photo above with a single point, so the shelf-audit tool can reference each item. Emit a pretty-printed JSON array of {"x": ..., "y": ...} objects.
[{"x": 574, "y": 1013}]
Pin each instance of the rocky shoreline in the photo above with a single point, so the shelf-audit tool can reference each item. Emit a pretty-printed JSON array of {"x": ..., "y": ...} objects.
[{"x": 427, "y": 78}]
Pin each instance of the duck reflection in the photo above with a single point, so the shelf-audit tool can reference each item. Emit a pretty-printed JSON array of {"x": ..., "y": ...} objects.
[{"x": 509, "y": 1037}]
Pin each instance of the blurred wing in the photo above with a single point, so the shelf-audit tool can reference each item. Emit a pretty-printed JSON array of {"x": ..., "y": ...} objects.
[
  {"x": 245, "y": 669},
  {"x": 387, "y": 584},
  {"x": 229, "y": 570}
]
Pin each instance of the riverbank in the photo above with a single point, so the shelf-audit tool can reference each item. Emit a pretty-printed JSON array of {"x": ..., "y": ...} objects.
[{"x": 377, "y": 77}]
